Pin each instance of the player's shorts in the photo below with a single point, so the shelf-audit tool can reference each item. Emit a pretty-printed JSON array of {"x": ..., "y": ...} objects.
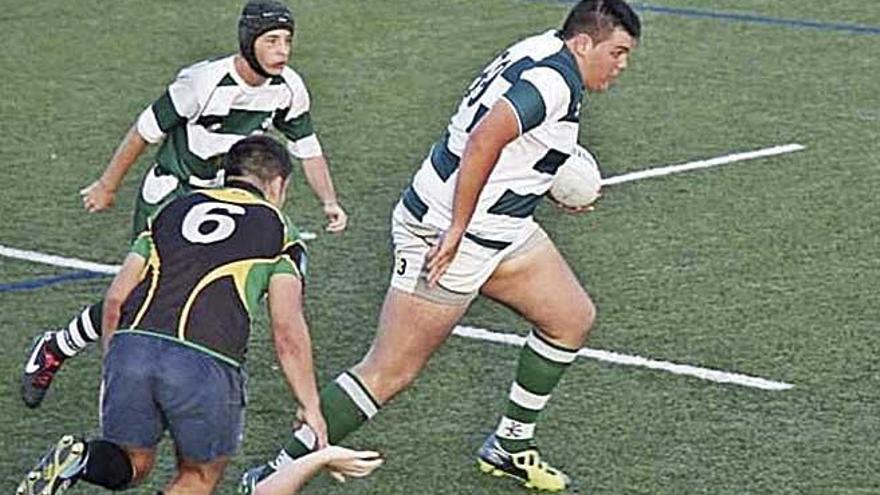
[
  {"x": 472, "y": 266},
  {"x": 151, "y": 384}
]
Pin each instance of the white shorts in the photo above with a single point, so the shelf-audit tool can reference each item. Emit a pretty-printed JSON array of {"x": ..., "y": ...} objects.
[{"x": 470, "y": 269}]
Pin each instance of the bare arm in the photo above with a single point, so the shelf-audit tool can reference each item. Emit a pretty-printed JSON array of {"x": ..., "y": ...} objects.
[
  {"x": 101, "y": 194},
  {"x": 498, "y": 128},
  {"x": 294, "y": 475},
  {"x": 124, "y": 282},
  {"x": 293, "y": 347},
  {"x": 317, "y": 172}
]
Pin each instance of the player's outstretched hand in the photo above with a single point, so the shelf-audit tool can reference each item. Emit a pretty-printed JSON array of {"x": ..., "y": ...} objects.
[
  {"x": 97, "y": 196},
  {"x": 315, "y": 420},
  {"x": 337, "y": 219},
  {"x": 441, "y": 255},
  {"x": 343, "y": 462}
]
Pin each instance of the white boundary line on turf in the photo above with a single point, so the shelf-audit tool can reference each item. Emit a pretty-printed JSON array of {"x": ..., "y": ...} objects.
[
  {"x": 624, "y": 359},
  {"x": 65, "y": 262},
  {"x": 618, "y": 179},
  {"x": 51, "y": 259},
  {"x": 472, "y": 333},
  {"x": 477, "y": 333},
  {"x": 712, "y": 162}
]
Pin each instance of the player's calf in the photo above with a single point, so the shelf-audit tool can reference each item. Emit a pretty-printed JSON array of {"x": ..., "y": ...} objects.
[{"x": 346, "y": 404}]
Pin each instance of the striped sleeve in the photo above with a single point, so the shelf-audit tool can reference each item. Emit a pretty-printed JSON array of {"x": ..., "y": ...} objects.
[
  {"x": 295, "y": 122},
  {"x": 540, "y": 95},
  {"x": 177, "y": 104}
]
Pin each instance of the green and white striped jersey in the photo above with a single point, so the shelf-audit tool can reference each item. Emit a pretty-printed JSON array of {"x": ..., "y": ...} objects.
[
  {"x": 209, "y": 107},
  {"x": 539, "y": 78}
]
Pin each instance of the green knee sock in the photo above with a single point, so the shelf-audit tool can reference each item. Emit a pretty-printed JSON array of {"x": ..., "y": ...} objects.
[
  {"x": 346, "y": 404},
  {"x": 541, "y": 365}
]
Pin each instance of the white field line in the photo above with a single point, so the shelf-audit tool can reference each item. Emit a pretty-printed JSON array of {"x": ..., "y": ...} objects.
[
  {"x": 624, "y": 359},
  {"x": 712, "y": 162},
  {"x": 470, "y": 332},
  {"x": 64, "y": 262},
  {"x": 51, "y": 259},
  {"x": 643, "y": 174},
  {"x": 477, "y": 333}
]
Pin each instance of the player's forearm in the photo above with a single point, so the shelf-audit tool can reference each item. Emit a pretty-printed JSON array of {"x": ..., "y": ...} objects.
[
  {"x": 109, "y": 321},
  {"x": 293, "y": 346},
  {"x": 317, "y": 172},
  {"x": 478, "y": 162},
  {"x": 292, "y": 476},
  {"x": 126, "y": 154},
  {"x": 497, "y": 128},
  {"x": 123, "y": 284}
]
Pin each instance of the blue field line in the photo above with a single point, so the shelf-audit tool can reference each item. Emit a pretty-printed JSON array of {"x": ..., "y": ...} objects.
[
  {"x": 39, "y": 283},
  {"x": 752, "y": 18},
  {"x": 758, "y": 19}
]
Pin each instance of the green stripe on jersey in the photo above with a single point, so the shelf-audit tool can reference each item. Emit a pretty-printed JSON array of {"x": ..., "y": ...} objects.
[
  {"x": 166, "y": 114},
  {"x": 238, "y": 121},
  {"x": 515, "y": 205},
  {"x": 528, "y": 103},
  {"x": 563, "y": 62},
  {"x": 227, "y": 81},
  {"x": 174, "y": 157},
  {"x": 444, "y": 161},
  {"x": 296, "y": 128}
]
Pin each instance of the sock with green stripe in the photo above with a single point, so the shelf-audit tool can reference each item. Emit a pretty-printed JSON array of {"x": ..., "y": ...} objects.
[
  {"x": 541, "y": 366},
  {"x": 346, "y": 405}
]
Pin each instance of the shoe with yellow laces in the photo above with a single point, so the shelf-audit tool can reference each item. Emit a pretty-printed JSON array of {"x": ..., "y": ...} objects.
[{"x": 525, "y": 465}]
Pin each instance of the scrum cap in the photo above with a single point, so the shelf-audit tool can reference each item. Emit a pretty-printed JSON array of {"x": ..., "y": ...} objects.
[{"x": 258, "y": 17}]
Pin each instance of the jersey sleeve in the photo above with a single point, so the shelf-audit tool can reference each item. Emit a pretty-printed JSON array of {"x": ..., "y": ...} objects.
[
  {"x": 294, "y": 258},
  {"x": 540, "y": 95},
  {"x": 143, "y": 245},
  {"x": 177, "y": 104},
  {"x": 295, "y": 122}
]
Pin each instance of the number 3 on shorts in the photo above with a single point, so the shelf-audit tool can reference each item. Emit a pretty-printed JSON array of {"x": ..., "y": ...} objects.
[{"x": 400, "y": 265}]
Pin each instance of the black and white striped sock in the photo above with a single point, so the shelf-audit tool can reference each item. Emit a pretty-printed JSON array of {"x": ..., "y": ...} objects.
[{"x": 82, "y": 330}]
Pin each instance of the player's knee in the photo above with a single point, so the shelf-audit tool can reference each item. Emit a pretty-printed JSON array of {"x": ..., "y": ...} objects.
[
  {"x": 199, "y": 477},
  {"x": 589, "y": 316},
  {"x": 142, "y": 465},
  {"x": 572, "y": 326}
]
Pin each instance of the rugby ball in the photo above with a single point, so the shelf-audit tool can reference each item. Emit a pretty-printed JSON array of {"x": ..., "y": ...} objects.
[{"x": 578, "y": 180}]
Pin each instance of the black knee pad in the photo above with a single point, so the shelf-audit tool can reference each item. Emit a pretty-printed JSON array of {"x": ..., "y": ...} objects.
[{"x": 108, "y": 465}]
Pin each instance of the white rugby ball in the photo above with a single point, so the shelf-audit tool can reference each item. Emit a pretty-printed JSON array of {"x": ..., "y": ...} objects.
[{"x": 578, "y": 181}]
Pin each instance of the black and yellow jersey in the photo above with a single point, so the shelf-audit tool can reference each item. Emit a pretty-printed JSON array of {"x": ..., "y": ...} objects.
[{"x": 210, "y": 255}]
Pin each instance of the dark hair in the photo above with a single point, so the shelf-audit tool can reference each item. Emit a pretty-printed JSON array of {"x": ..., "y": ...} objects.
[
  {"x": 260, "y": 156},
  {"x": 598, "y": 18}
]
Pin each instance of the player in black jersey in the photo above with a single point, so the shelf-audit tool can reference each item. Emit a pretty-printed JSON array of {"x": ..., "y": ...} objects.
[
  {"x": 176, "y": 321},
  {"x": 208, "y": 107}
]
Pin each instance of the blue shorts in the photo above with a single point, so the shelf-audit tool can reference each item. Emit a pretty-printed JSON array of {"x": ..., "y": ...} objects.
[{"x": 152, "y": 384}]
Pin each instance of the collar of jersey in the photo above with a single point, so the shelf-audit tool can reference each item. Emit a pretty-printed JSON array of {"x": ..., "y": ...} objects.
[
  {"x": 569, "y": 57},
  {"x": 242, "y": 84},
  {"x": 240, "y": 184}
]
